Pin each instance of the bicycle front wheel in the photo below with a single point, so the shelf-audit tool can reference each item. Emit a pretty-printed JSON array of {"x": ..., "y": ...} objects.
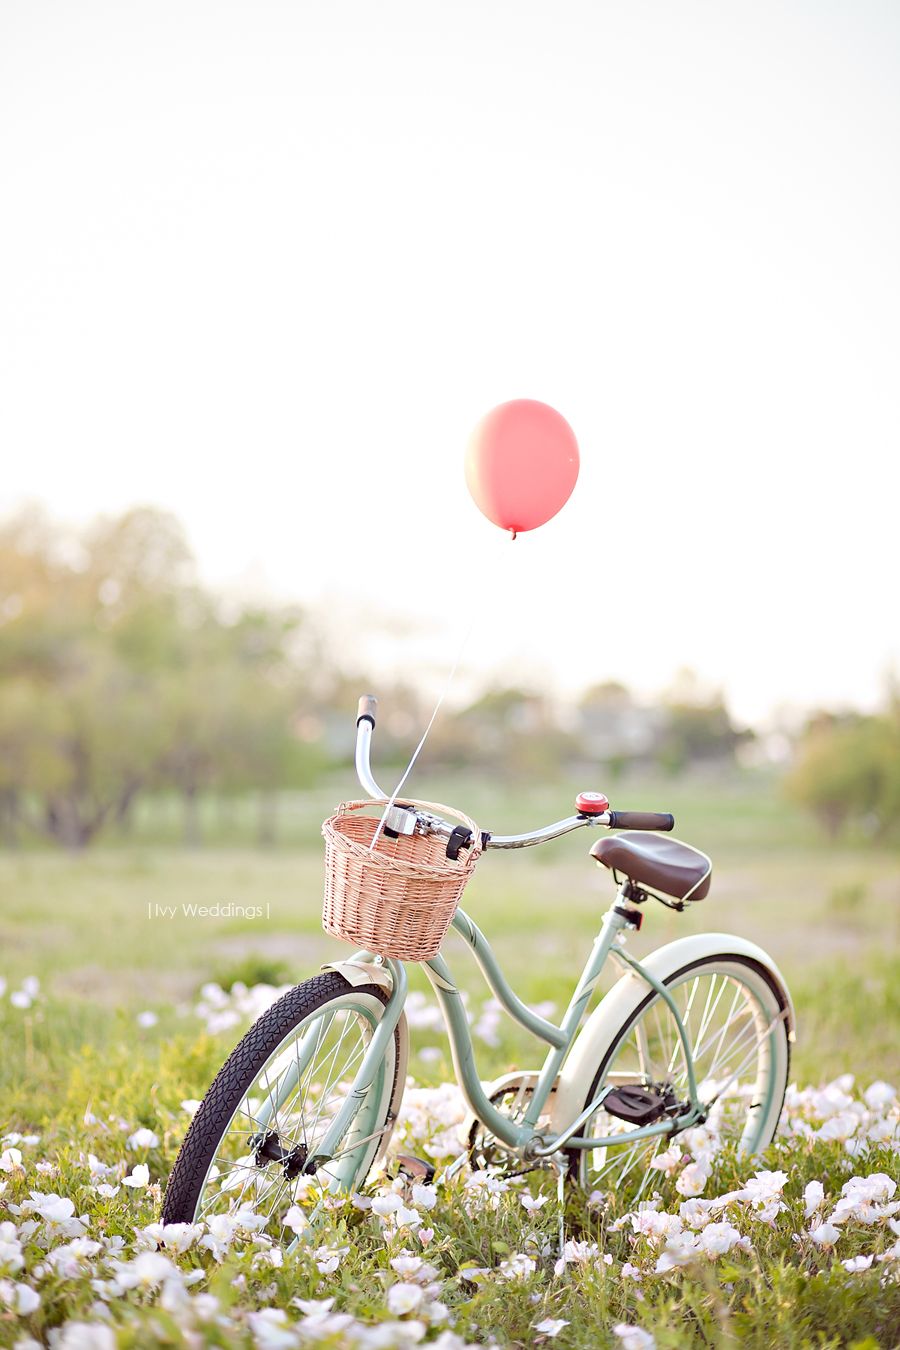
[
  {"x": 272, "y": 1102},
  {"x": 736, "y": 1025}
]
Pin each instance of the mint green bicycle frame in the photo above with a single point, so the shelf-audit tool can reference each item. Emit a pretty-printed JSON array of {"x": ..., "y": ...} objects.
[{"x": 522, "y": 1134}]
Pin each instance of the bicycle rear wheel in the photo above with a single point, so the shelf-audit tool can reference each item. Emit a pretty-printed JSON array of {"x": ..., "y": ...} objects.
[
  {"x": 736, "y": 1025},
  {"x": 273, "y": 1100}
]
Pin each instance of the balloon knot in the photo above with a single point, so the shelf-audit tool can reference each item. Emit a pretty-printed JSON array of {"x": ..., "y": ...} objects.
[{"x": 512, "y": 534}]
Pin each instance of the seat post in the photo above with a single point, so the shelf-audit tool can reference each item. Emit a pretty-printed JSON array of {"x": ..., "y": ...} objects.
[{"x": 630, "y": 891}]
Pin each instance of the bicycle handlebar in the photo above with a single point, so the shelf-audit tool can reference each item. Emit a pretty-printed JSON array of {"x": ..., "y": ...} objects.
[
  {"x": 365, "y": 725},
  {"x": 366, "y": 708},
  {"x": 622, "y": 820},
  {"x": 641, "y": 820}
]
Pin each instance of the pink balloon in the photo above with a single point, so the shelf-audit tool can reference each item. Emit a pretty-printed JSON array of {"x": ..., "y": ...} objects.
[{"x": 522, "y": 464}]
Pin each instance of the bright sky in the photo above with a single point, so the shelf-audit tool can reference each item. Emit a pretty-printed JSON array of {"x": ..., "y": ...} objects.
[{"x": 266, "y": 264}]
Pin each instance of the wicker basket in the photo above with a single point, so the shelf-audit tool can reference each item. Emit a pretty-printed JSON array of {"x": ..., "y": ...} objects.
[{"x": 398, "y": 899}]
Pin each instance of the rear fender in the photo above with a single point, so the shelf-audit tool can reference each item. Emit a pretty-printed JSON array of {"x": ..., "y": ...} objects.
[{"x": 625, "y": 997}]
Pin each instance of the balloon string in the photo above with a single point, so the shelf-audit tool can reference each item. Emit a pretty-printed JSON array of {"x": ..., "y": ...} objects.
[
  {"x": 415, "y": 754},
  {"x": 437, "y": 707}
]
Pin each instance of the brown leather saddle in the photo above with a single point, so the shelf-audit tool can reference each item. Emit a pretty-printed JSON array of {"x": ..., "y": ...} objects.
[{"x": 651, "y": 860}]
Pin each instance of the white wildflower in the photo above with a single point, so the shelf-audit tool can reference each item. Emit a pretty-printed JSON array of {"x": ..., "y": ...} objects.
[
  {"x": 146, "y": 1271},
  {"x": 717, "y": 1239},
  {"x": 702, "y": 1142},
  {"x": 271, "y": 1329},
  {"x": 407, "y": 1218},
  {"x": 633, "y": 1338},
  {"x": 866, "y": 1199},
  {"x": 518, "y": 1267},
  {"x": 175, "y": 1237},
  {"x": 96, "y": 1167},
  {"x": 58, "y": 1212},
  {"x": 139, "y": 1177},
  {"x": 69, "y": 1259},
  {"x": 329, "y": 1258},
  {"x": 404, "y": 1298},
  {"x": 575, "y": 1253},
  {"x": 313, "y": 1307},
  {"x": 764, "y": 1187},
  {"x": 86, "y": 1336},
  {"x": 879, "y": 1096},
  {"x": 424, "y": 1197},
  {"x": 653, "y": 1225},
  {"x": 697, "y": 1213},
  {"x": 533, "y": 1202},
  {"x": 407, "y": 1265},
  {"x": 825, "y": 1235},
  {"x": 692, "y": 1181},
  {"x": 20, "y": 1298},
  {"x": 813, "y": 1198},
  {"x": 143, "y": 1138},
  {"x": 222, "y": 1230},
  {"x": 383, "y": 1205},
  {"x": 296, "y": 1219},
  {"x": 841, "y": 1126},
  {"x": 667, "y": 1162},
  {"x": 551, "y": 1326},
  {"x": 11, "y": 1258},
  {"x": 680, "y": 1250}
]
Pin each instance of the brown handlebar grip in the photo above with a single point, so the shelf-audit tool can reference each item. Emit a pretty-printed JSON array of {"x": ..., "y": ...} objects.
[
  {"x": 641, "y": 820},
  {"x": 367, "y": 705}
]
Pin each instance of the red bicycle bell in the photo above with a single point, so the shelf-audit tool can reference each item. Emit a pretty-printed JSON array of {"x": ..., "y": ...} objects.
[{"x": 591, "y": 803}]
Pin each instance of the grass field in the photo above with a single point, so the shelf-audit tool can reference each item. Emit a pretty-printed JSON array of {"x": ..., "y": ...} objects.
[{"x": 120, "y": 931}]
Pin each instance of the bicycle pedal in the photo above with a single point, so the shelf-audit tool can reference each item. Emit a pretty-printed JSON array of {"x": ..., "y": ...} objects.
[
  {"x": 637, "y": 1105},
  {"x": 416, "y": 1168}
]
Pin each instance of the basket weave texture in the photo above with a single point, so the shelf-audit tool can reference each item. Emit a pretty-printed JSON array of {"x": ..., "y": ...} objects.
[{"x": 398, "y": 899}]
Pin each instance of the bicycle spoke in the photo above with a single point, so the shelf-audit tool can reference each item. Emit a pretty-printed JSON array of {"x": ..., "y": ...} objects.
[
  {"x": 725, "y": 1032},
  {"x": 709, "y": 1012},
  {"x": 746, "y": 1037},
  {"x": 325, "y": 1089},
  {"x": 754, "y": 1051},
  {"x": 288, "y": 1107}
]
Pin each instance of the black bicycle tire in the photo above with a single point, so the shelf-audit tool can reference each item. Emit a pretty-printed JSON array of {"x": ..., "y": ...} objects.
[{"x": 236, "y": 1076}]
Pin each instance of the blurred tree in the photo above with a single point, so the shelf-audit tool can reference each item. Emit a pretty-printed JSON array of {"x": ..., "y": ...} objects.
[
  {"x": 117, "y": 671},
  {"x": 696, "y": 725},
  {"x": 513, "y": 730},
  {"x": 847, "y": 770},
  {"x": 614, "y": 730}
]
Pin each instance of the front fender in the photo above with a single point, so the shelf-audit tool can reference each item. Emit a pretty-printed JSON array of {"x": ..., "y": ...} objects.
[
  {"x": 362, "y": 972},
  {"x": 357, "y": 973},
  {"x": 628, "y": 993}
]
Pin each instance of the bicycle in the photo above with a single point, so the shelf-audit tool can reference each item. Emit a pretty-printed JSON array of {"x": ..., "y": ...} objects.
[{"x": 697, "y": 1034}]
